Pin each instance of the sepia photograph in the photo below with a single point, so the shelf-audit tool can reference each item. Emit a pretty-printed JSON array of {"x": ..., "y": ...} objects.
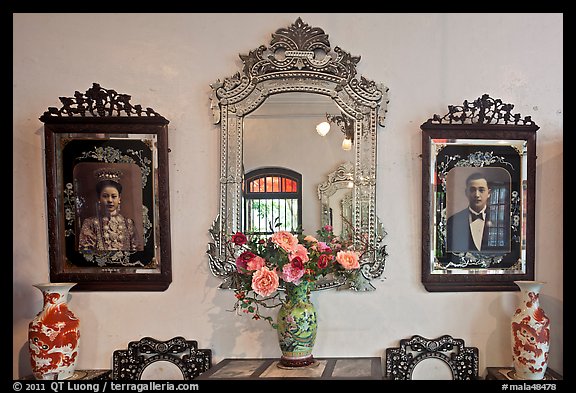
[
  {"x": 109, "y": 207},
  {"x": 478, "y": 210}
]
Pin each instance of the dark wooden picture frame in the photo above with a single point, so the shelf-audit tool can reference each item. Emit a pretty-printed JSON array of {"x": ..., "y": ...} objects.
[
  {"x": 100, "y": 136},
  {"x": 479, "y": 137}
]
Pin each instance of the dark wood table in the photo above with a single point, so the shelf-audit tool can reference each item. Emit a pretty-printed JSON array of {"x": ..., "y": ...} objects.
[
  {"x": 83, "y": 375},
  {"x": 506, "y": 373},
  {"x": 356, "y": 368}
]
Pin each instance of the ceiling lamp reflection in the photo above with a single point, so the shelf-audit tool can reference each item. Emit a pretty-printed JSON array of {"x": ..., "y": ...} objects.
[{"x": 323, "y": 128}]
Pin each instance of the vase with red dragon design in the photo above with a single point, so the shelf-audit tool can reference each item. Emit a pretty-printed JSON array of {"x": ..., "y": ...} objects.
[
  {"x": 54, "y": 335},
  {"x": 530, "y": 333}
]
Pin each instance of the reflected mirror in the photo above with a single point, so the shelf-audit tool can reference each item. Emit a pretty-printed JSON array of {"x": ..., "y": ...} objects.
[
  {"x": 335, "y": 196},
  {"x": 432, "y": 369},
  {"x": 268, "y": 116},
  {"x": 162, "y": 370}
]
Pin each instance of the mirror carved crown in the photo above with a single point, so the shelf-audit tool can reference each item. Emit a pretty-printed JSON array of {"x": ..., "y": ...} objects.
[
  {"x": 298, "y": 51},
  {"x": 299, "y": 58}
]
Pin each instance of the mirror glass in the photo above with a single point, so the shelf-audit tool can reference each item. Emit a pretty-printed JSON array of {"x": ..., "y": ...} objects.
[
  {"x": 432, "y": 368},
  {"x": 268, "y": 115},
  {"x": 335, "y": 196},
  {"x": 282, "y": 132},
  {"x": 162, "y": 370}
]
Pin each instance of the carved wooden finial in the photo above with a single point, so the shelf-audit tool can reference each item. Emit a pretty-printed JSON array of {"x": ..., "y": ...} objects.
[
  {"x": 98, "y": 102},
  {"x": 483, "y": 110}
]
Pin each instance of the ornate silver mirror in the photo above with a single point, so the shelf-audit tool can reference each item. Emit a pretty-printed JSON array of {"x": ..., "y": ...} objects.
[{"x": 268, "y": 115}]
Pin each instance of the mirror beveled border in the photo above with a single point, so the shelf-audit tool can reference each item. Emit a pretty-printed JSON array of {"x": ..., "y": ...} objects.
[{"x": 299, "y": 59}]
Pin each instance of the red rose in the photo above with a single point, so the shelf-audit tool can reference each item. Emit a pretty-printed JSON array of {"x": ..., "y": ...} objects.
[
  {"x": 243, "y": 259},
  {"x": 324, "y": 260},
  {"x": 296, "y": 263},
  {"x": 239, "y": 239}
]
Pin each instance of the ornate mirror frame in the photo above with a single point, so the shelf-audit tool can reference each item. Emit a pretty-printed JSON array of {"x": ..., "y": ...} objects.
[
  {"x": 299, "y": 59},
  {"x": 463, "y": 361},
  {"x": 129, "y": 364}
]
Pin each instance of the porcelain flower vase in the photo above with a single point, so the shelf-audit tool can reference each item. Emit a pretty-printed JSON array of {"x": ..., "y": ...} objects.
[
  {"x": 297, "y": 327},
  {"x": 54, "y": 335},
  {"x": 530, "y": 333}
]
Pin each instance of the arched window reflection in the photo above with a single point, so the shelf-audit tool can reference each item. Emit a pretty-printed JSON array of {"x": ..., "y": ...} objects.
[{"x": 272, "y": 196}]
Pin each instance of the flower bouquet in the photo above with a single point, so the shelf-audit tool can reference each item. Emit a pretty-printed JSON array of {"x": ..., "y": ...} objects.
[
  {"x": 265, "y": 266},
  {"x": 281, "y": 270}
]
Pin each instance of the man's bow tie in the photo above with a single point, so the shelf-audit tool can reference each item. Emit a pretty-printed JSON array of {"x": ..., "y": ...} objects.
[{"x": 476, "y": 216}]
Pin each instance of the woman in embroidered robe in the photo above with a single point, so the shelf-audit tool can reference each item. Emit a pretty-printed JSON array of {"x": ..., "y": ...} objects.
[{"x": 109, "y": 230}]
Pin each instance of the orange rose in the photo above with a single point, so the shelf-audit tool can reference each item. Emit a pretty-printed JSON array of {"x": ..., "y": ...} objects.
[
  {"x": 348, "y": 259},
  {"x": 311, "y": 239},
  {"x": 265, "y": 281},
  {"x": 285, "y": 239},
  {"x": 299, "y": 251},
  {"x": 255, "y": 263}
]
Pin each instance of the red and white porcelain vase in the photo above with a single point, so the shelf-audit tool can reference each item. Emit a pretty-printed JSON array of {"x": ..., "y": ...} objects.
[
  {"x": 530, "y": 333},
  {"x": 54, "y": 334}
]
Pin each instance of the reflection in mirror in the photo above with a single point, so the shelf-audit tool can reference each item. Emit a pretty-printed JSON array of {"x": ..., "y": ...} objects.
[
  {"x": 272, "y": 201},
  {"x": 432, "y": 368},
  {"x": 335, "y": 196},
  {"x": 282, "y": 133},
  {"x": 268, "y": 116},
  {"x": 162, "y": 370}
]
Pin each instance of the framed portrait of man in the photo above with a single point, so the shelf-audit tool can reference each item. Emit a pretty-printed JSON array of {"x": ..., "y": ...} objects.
[
  {"x": 478, "y": 182},
  {"x": 107, "y": 189}
]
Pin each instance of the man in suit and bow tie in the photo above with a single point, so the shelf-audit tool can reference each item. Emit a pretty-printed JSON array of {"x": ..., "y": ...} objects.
[{"x": 467, "y": 230}]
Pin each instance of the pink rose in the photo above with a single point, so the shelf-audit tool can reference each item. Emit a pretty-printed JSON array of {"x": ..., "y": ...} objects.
[
  {"x": 348, "y": 259},
  {"x": 284, "y": 239},
  {"x": 256, "y": 263},
  {"x": 265, "y": 281},
  {"x": 323, "y": 247},
  {"x": 292, "y": 273}
]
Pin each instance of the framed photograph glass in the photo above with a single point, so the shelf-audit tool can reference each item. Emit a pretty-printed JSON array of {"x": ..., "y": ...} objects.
[
  {"x": 107, "y": 188},
  {"x": 478, "y": 184}
]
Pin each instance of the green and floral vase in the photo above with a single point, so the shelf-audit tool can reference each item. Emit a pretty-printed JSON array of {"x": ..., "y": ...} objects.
[{"x": 297, "y": 327}]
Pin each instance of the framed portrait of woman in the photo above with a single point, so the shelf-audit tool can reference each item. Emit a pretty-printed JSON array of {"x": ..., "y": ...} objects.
[
  {"x": 107, "y": 193},
  {"x": 478, "y": 184}
]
